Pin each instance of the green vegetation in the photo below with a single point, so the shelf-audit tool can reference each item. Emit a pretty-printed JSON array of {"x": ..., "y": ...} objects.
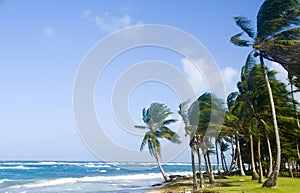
[
  {"x": 236, "y": 184},
  {"x": 275, "y": 39}
]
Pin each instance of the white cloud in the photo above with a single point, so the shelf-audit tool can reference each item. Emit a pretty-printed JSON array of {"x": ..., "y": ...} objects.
[
  {"x": 230, "y": 77},
  {"x": 199, "y": 78},
  {"x": 48, "y": 31},
  {"x": 109, "y": 23},
  {"x": 194, "y": 76},
  {"x": 282, "y": 74},
  {"x": 228, "y": 74}
]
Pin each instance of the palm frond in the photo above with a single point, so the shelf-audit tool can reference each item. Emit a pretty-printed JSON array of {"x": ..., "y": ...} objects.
[
  {"x": 158, "y": 112},
  {"x": 266, "y": 125},
  {"x": 236, "y": 40},
  {"x": 146, "y": 115},
  {"x": 250, "y": 61},
  {"x": 169, "y": 121},
  {"x": 231, "y": 99},
  {"x": 285, "y": 119},
  {"x": 285, "y": 52},
  {"x": 151, "y": 147},
  {"x": 289, "y": 34},
  {"x": 167, "y": 133},
  {"x": 224, "y": 146},
  {"x": 145, "y": 139},
  {"x": 140, "y": 127},
  {"x": 277, "y": 15},
  {"x": 183, "y": 112},
  {"x": 244, "y": 24}
]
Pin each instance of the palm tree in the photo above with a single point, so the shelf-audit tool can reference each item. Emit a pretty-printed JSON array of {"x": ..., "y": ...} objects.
[
  {"x": 232, "y": 123},
  {"x": 241, "y": 108},
  {"x": 156, "y": 120},
  {"x": 197, "y": 119},
  {"x": 224, "y": 147},
  {"x": 188, "y": 117},
  {"x": 204, "y": 108},
  {"x": 277, "y": 39}
]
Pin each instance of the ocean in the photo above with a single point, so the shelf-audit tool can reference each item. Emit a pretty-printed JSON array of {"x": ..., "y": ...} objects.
[{"x": 83, "y": 177}]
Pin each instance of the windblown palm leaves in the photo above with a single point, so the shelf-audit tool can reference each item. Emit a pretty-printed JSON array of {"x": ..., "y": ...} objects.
[
  {"x": 278, "y": 33},
  {"x": 155, "y": 118},
  {"x": 204, "y": 117}
]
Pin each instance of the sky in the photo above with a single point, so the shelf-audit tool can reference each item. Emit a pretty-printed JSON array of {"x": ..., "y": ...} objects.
[{"x": 44, "y": 43}]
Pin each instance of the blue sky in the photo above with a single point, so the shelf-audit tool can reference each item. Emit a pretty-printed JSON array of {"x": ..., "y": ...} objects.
[{"x": 44, "y": 42}]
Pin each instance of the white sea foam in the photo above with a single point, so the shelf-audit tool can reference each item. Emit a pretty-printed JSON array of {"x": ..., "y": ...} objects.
[
  {"x": 44, "y": 183},
  {"x": 46, "y": 163},
  {"x": 92, "y": 165},
  {"x": 150, "y": 176},
  {"x": 4, "y": 180},
  {"x": 111, "y": 179},
  {"x": 56, "y": 163},
  {"x": 177, "y": 164},
  {"x": 21, "y": 167},
  {"x": 12, "y": 163}
]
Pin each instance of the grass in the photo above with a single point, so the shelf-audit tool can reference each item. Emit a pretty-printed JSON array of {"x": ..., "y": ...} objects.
[{"x": 236, "y": 184}]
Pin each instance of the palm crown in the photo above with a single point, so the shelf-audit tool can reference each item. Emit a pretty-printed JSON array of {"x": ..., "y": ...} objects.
[
  {"x": 156, "y": 119},
  {"x": 277, "y": 36}
]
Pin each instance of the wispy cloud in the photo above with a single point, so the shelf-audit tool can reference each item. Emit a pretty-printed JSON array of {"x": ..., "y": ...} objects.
[
  {"x": 230, "y": 78},
  {"x": 282, "y": 74},
  {"x": 194, "y": 76},
  {"x": 109, "y": 23},
  {"x": 48, "y": 31},
  {"x": 199, "y": 79}
]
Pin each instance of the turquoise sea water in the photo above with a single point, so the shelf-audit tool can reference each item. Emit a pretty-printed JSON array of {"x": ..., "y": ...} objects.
[{"x": 79, "y": 177}]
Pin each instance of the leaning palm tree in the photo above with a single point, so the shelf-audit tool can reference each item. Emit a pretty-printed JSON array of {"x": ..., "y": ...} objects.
[
  {"x": 206, "y": 113},
  {"x": 277, "y": 39},
  {"x": 189, "y": 117},
  {"x": 156, "y": 120}
]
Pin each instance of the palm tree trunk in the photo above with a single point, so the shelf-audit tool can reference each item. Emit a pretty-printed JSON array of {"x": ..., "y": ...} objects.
[
  {"x": 165, "y": 175},
  {"x": 211, "y": 174},
  {"x": 272, "y": 180},
  {"x": 297, "y": 147},
  {"x": 261, "y": 175},
  {"x": 290, "y": 168},
  {"x": 217, "y": 155},
  {"x": 270, "y": 157},
  {"x": 207, "y": 170},
  {"x": 253, "y": 170},
  {"x": 199, "y": 151},
  {"x": 195, "y": 185},
  {"x": 233, "y": 155},
  {"x": 222, "y": 161},
  {"x": 242, "y": 172},
  {"x": 296, "y": 113}
]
